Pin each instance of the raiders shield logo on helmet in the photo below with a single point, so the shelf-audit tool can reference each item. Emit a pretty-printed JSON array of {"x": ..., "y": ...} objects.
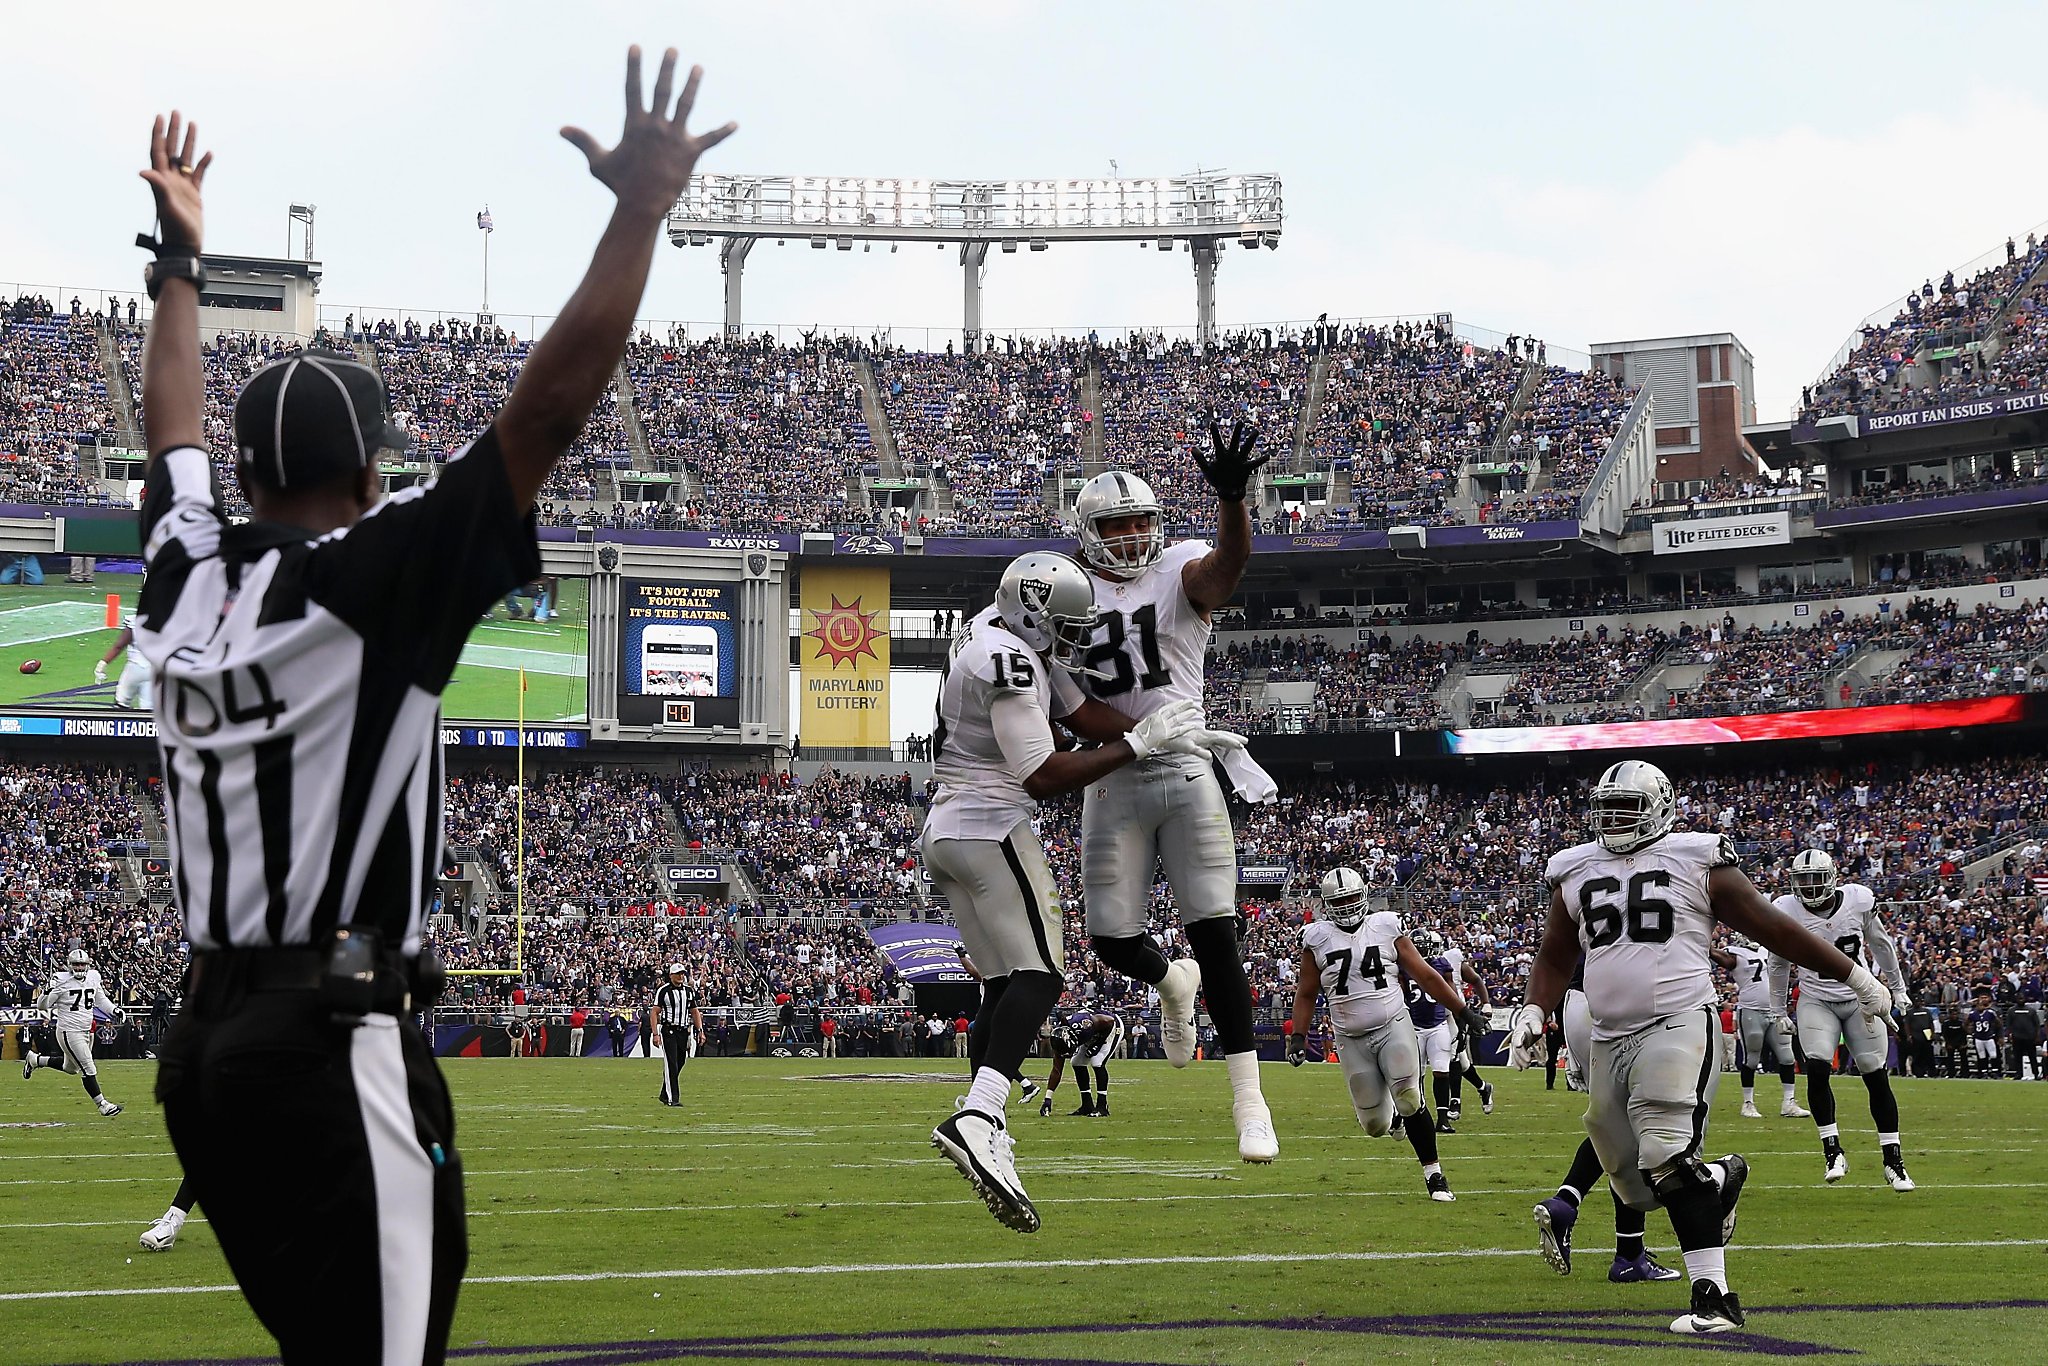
[{"x": 1035, "y": 593}]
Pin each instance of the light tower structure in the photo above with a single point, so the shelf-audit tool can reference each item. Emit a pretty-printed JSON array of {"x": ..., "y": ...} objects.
[{"x": 1206, "y": 211}]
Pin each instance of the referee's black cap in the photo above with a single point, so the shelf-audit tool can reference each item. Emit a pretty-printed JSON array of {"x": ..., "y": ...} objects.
[{"x": 312, "y": 418}]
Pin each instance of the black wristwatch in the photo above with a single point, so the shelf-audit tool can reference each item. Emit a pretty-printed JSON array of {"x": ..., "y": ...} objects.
[{"x": 165, "y": 268}]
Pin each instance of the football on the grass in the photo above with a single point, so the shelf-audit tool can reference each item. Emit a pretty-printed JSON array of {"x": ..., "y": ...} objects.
[{"x": 29, "y": 666}]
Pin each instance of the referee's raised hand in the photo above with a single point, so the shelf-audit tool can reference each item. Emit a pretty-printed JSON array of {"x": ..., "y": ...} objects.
[
  {"x": 176, "y": 179},
  {"x": 655, "y": 154}
]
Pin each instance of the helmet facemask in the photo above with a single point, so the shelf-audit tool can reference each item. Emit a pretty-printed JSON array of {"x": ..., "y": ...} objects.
[
  {"x": 1126, "y": 552},
  {"x": 1814, "y": 886}
]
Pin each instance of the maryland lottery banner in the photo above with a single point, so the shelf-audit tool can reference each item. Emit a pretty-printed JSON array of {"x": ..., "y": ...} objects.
[{"x": 845, "y": 658}]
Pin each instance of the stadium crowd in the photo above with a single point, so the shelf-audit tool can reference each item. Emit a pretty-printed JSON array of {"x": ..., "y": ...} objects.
[
  {"x": 1990, "y": 325},
  {"x": 1459, "y": 854}
]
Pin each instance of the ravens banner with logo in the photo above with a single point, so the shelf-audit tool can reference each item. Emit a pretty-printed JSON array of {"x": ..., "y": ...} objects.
[{"x": 845, "y": 659}]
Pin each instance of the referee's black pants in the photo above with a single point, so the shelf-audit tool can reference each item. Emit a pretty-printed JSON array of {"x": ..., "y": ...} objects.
[
  {"x": 325, "y": 1157},
  {"x": 675, "y": 1051}
]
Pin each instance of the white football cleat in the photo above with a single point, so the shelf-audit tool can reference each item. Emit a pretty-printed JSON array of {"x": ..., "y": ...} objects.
[
  {"x": 1895, "y": 1171},
  {"x": 1256, "y": 1141},
  {"x": 1177, "y": 991},
  {"x": 1792, "y": 1109},
  {"x": 108, "y": 1108},
  {"x": 161, "y": 1235},
  {"x": 1486, "y": 1098},
  {"x": 983, "y": 1150},
  {"x": 1838, "y": 1167},
  {"x": 1439, "y": 1188},
  {"x": 1749, "y": 1111}
]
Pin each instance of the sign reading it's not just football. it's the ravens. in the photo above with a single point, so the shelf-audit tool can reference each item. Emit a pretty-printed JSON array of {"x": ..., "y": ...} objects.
[{"x": 845, "y": 658}]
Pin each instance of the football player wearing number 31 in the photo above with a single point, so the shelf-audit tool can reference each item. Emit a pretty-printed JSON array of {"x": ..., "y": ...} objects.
[{"x": 1153, "y": 604}]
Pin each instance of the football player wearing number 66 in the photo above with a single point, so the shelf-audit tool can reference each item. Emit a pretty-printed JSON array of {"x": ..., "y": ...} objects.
[
  {"x": 1007, "y": 679},
  {"x": 1355, "y": 956},
  {"x": 1153, "y": 604},
  {"x": 1640, "y": 901}
]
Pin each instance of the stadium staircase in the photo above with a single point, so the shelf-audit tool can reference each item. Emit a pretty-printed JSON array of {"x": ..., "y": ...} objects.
[
  {"x": 366, "y": 352},
  {"x": 1861, "y": 671},
  {"x": 624, "y": 400},
  {"x": 1311, "y": 411},
  {"x": 879, "y": 431},
  {"x": 127, "y": 426},
  {"x": 1676, "y": 669},
  {"x": 1525, "y": 392},
  {"x": 1091, "y": 432},
  {"x": 1453, "y": 698}
]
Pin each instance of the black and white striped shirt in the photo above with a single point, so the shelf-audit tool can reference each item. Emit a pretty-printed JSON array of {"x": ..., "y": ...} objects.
[
  {"x": 673, "y": 1001},
  {"x": 298, "y": 682}
]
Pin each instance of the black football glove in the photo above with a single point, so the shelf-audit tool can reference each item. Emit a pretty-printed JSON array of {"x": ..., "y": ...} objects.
[
  {"x": 1045, "y": 1106},
  {"x": 1474, "y": 1024},
  {"x": 1297, "y": 1050},
  {"x": 1228, "y": 465}
]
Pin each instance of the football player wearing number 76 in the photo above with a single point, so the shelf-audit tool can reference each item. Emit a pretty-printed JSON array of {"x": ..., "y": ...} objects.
[{"x": 1640, "y": 900}]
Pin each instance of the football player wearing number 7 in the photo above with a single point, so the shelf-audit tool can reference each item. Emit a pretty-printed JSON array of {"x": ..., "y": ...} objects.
[
  {"x": 1153, "y": 605},
  {"x": 1845, "y": 914},
  {"x": 1355, "y": 955},
  {"x": 1640, "y": 900}
]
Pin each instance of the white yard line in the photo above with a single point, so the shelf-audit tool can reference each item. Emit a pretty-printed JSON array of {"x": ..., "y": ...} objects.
[
  {"x": 1292, "y": 1258},
  {"x": 820, "y": 1206}
]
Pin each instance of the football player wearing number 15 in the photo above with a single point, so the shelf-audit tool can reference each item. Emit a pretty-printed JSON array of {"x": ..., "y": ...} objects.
[
  {"x": 1640, "y": 901},
  {"x": 1152, "y": 626},
  {"x": 1356, "y": 956},
  {"x": 1007, "y": 679}
]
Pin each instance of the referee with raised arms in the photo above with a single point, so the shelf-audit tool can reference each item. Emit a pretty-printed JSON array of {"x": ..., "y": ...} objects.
[
  {"x": 678, "y": 1021},
  {"x": 299, "y": 660}
]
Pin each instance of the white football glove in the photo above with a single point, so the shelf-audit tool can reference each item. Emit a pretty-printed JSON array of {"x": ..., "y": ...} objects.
[
  {"x": 1874, "y": 996},
  {"x": 1217, "y": 741},
  {"x": 1781, "y": 1025},
  {"x": 99, "y": 671},
  {"x": 1170, "y": 730},
  {"x": 1525, "y": 1038}
]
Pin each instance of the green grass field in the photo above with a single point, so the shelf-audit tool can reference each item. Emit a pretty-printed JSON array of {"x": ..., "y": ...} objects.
[
  {"x": 779, "y": 1203},
  {"x": 64, "y": 625}
]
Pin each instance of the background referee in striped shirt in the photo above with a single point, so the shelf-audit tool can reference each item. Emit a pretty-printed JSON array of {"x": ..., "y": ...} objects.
[
  {"x": 299, "y": 661},
  {"x": 679, "y": 1021}
]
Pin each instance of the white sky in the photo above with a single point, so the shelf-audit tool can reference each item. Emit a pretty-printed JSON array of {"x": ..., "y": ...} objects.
[{"x": 1582, "y": 172}]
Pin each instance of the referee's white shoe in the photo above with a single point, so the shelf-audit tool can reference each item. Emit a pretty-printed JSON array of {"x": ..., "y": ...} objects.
[
  {"x": 162, "y": 1235},
  {"x": 1177, "y": 991},
  {"x": 981, "y": 1147}
]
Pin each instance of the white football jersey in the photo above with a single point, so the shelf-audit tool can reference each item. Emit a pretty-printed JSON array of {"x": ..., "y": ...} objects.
[
  {"x": 977, "y": 798},
  {"x": 1646, "y": 923},
  {"x": 1853, "y": 926},
  {"x": 134, "y": 655},
  {"x": 73, "y": 995},
  {"x": 1752, "y": 980},
  {"x": 1360, "y": 971},
  {"x": 1148, "y": 637},
  {"x": 1455, "y": 956}
]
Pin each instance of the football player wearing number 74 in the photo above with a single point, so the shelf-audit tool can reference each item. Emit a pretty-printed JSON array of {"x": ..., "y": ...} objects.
[{"x": 1640, "y": 900}]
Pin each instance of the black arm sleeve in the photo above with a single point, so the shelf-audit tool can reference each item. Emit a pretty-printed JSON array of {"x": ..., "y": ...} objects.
[{"x": 413, "y": 576}]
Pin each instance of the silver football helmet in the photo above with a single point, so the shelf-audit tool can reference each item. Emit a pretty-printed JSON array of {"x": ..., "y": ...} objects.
[
  {"x": 79, "y": 961},
  {"x": 1048, "y": 601},
  {"x": 1343, "y": 896},
  {"x": 1633, "y": 804},
  {"x": 1813, "y": 878},
  {"x": 1107, "y": 497},
  {"x": 1427, "y": 942}
]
